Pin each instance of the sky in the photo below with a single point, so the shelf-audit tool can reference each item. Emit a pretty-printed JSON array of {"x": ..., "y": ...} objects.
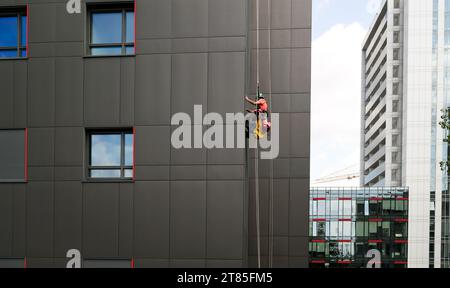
[{"x": 339, "y": 28}]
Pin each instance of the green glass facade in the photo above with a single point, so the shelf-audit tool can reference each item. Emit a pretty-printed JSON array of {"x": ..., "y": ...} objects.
[{"x": 346, "y": 223}]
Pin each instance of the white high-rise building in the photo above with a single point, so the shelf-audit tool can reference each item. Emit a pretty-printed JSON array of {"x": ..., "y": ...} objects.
[{"x": 405, "y": 84}]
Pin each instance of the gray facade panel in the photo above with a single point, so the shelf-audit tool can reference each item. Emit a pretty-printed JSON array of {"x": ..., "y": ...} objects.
[
  {"x": 69, "y": 146},
  {"x": 153, "y": 89},
  {"x": 42, "y": 24},
  {"x": 100, "y": 220},
  {"x": 6, "y": 220},
  {"x": 40, "y": 219},
  {"x": 41, "y": 92},
  {"x": 156, "y": 17},
  {"x": 20, "y": 94},
  {"x": 68, "y": 217},
  {"x": 188, "y": 219},
  {"x": 226, "y": 68},
  {"x": 189, "y": 82},
  {"x": 225, "y": 218},
  {"x": 7, "y": 95},
  {"x": 19, "y": 235},
  {"x": 227, "y": 18},
  {"x": 41, "y": 146},
  {"x": 69, "y": 91},
  {"x": 102, "y": 92},
  {"x": 152, "y": 220},
  {"x": 190, "y": 18}
]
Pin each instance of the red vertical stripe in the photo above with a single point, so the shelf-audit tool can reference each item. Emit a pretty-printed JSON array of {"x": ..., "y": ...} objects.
[
  {"x": 28, "y": 26},
  {"x": 132, "y": 263},
  {"x": 26, "y": 154},
  {"x": 25, "y": 264},
  {"x": 134, "y": 153}
]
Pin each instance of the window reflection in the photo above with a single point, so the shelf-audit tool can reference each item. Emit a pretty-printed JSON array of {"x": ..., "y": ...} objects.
[
  {"x": 351, "y": 223},
  {"x": 13, "y": 34},
  {"x": 106, "y": 28},
  {"x": 9, "y": 31},
  {"x": 111, "y": 31},
  {"x": 111, "y": 155},
  {"x": 105, "y": 150}
]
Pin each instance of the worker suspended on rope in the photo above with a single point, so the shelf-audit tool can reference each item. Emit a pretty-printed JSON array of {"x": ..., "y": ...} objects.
[{"x": 262, "y": 110}]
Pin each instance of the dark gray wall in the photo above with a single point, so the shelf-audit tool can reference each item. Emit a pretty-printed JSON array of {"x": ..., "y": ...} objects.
[{"x": 187, "y": 208}]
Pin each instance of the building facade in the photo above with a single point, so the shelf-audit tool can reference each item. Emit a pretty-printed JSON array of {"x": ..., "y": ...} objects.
[
  {"x": 86, "y": 99},
  {"x": 404, "y": 87},
  {"x": 346, "y": 224}
]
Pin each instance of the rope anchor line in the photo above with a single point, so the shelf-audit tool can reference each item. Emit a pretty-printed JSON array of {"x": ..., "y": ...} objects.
[{"x": 257, "y": 191}]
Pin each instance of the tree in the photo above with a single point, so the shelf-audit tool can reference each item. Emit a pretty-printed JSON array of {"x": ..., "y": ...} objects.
[{"x": 445, "y": 124}]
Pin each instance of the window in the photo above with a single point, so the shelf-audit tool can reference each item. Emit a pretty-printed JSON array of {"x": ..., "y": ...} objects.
[
  {"x": 395, "y": 140},
  {"x": 395, "y": 157},
  {"x": 334, "y": 229},
  {"x": 395, "y": 175},
  {"x": 396, "y": 71},
  {"x": 13, "y": 33},
  {"x": 346, "y": 208},
  {"x": 396, "y": 36},
  {"x": 396, "y": 19},
  {"x": 111, "y": 155},
  {"x": 362, "y": 229},
  {"x": 13, "y": 155},
  {"x": 396, "y": 88},
  {"x": 396, "y": 54},
  {"x": 319, "y": 229},
  {"x": 395, "y": 122},
  {"x": 321, "y": 208},
  {"x": 396, "y": 4},
  {"x": 111, "y": 30},
  {"x": 395, "y": 105}
]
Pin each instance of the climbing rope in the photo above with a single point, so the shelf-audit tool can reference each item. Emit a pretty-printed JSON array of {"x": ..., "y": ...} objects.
[
  {"x": 257, "y": 192},
  {"x": 257, "y": 199},
  {"x": 271, "y": 236}
]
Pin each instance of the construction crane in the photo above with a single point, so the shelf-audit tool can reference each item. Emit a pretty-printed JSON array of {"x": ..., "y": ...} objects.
[
  {"x": 336, "y": 178},
  {"x": 344, "y": 174}
]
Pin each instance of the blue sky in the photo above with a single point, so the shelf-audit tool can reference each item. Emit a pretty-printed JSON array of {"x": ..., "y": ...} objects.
[
  {"x": 339, "y": 28},
  {"x": 327, "y": 13}
]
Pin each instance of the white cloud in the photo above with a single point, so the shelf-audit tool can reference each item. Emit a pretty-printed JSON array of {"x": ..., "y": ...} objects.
[{"x": 336, "y": 92}]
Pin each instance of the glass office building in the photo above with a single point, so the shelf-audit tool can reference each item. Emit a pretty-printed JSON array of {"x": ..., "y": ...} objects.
[{"x": 346, "y": 223}]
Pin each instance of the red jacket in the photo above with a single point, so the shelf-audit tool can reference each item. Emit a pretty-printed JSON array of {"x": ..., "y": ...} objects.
[{"x": 262, "y": 105}]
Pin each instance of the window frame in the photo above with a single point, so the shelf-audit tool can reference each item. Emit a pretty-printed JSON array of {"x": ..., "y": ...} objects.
[
  {"x": 122, "y": 167},
  {"x": 122, "y": 8},
  {"x": 17, "y": 12}
]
